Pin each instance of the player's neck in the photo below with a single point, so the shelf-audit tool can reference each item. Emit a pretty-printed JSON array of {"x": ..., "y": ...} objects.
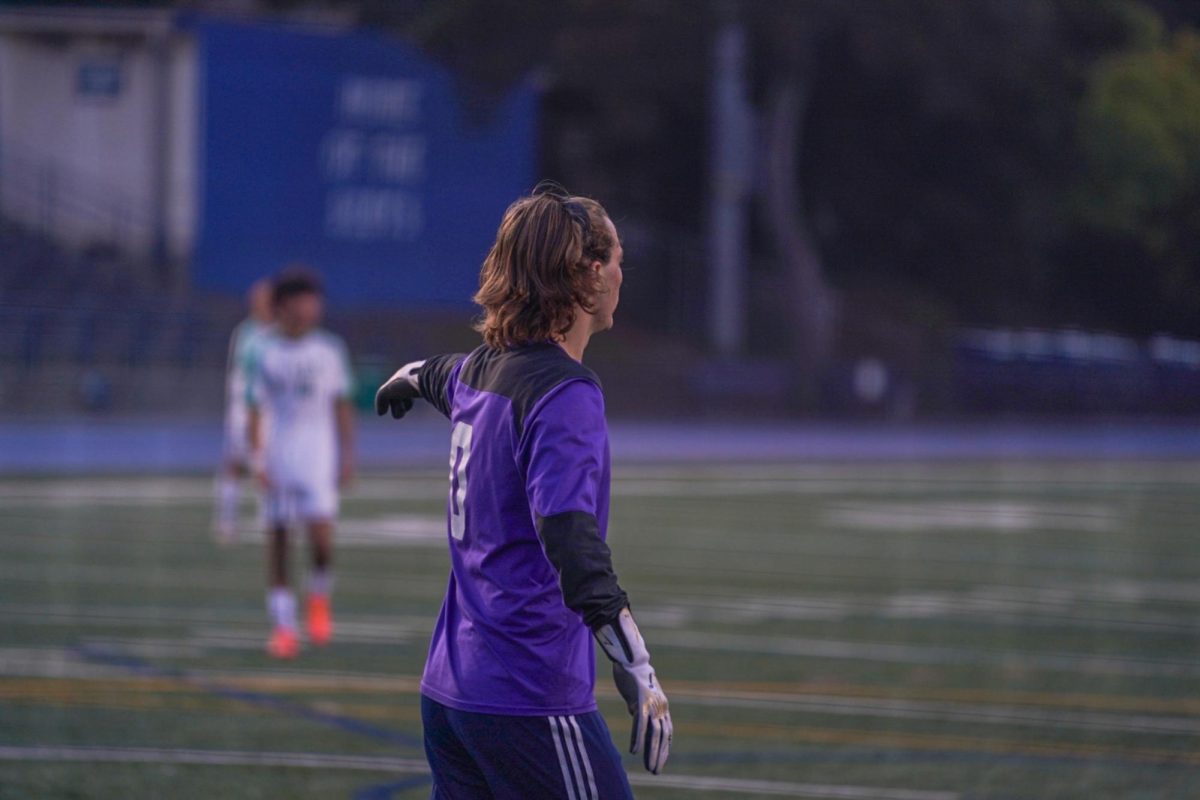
[{"x": 576, "y": 339}]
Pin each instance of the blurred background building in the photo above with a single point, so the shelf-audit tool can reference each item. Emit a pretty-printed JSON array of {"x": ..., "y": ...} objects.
[{"x": 869, "y": 210}]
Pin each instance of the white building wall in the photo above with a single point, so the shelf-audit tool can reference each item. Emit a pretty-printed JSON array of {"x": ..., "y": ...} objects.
[{"x": 89, "y": 167}]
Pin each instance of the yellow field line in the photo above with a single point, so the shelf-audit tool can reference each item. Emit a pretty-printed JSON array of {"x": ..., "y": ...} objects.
[{"x": 680, "y": 688}]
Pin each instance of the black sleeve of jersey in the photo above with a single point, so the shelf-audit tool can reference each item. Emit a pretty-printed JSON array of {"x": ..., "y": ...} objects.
[
  {"x": 433, "y": 377},
  {"x": 584, "y": 564}
]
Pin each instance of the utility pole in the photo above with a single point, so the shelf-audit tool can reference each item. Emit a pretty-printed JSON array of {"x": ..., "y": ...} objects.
[{"x": 731, "y": 167}]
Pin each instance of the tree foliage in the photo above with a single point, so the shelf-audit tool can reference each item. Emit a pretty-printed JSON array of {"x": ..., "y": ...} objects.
[
  {"x": 1137, "y": 199},
  {"x": 1140, "y": 136}
]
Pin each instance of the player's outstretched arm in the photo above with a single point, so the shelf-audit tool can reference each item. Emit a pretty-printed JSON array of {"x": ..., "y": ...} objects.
[
  {"x": 399, "y": 391},
  {"x": 428, "y": 379},
  {"x": 622, "y": 643}
]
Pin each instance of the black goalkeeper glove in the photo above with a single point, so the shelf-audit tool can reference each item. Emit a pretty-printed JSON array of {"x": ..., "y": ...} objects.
[
  {"x": 398, "y": 393},
  {"x": 643, "y": 694}
]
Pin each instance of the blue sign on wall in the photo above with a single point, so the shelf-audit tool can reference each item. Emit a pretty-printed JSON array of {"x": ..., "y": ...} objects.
[{"x": 353, "y": 154}]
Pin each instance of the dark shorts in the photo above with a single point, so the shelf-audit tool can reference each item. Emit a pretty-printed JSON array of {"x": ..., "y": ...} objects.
[{"x": 481, "y": 756}]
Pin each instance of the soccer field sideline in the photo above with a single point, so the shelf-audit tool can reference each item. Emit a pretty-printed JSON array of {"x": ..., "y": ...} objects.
[{"x": 422, "y": 439}]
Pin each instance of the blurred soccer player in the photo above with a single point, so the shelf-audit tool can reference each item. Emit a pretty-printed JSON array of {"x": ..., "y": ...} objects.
[
  {"x": 235, "y": 464},
  {"x": 508, "y": 692},
  {"x": 300, "y": 378}
]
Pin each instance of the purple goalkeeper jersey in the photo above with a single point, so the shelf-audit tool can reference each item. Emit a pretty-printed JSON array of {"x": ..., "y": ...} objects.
[{"x": 529, "y": 493}]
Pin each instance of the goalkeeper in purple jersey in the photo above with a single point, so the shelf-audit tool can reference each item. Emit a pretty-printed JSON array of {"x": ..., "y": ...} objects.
[{"x": 508, "y": 691}]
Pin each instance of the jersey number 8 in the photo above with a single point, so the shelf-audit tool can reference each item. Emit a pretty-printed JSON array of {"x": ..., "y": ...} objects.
[{"x": 460, "y": 454}]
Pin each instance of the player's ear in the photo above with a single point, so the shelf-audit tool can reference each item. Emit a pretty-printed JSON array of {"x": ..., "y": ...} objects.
[{"x": 597, "y": 268}]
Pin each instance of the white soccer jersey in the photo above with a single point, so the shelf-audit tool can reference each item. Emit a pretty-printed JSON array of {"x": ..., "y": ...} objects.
[
  {"x": 241, "y": 347},
  {"x": 297, "y": 382}
]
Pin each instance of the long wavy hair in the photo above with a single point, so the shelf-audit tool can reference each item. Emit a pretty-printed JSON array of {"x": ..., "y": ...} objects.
[{"x": 538, "y": 273}]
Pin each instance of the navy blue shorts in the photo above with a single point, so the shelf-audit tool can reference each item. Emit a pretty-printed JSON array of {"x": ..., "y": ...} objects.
[{"x": 481, "y": 756}]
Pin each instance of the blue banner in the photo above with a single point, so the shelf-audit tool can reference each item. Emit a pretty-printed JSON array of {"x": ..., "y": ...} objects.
[{"x": 352, "y": 153}]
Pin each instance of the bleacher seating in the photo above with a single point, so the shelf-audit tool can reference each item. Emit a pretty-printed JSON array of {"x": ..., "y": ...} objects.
[{"x": 89, "y": 313}]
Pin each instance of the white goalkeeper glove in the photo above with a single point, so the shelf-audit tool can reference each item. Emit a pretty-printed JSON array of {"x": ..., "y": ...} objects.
[
  {"x": 635, "y": 679},
  {"x": 398, "y": 393}
]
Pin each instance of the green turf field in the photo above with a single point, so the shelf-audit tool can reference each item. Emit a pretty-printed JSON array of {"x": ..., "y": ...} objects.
[{"x": 902, "y": 631}]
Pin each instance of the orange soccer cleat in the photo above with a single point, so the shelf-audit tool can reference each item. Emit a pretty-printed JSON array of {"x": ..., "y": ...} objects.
[
  {"x": 320, "y": 619},
  {"x": 284, "y": 643}
]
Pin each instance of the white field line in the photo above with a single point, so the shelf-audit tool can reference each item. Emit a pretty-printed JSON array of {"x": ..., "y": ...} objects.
[
  {"x": 1034, "y": 473},
  {"x": 1134, "y": 590},
  {"x": 411, "y": 766},
  {"x": 216, "y": 758},
  {"x": 55, "y": 662},
  {"x": 426, "y": 530},
  {"x": 744, "y": 488},
  {"x": 249, "y": 639},
  {"x": 207, "y": 579},
  {"x": 344, "y": 631},
  {"x": 674, "y": 480},
  {"x": 743, "y": 787},
  {"x": 887, "y": 652},
  {"x": 394, "y": 529},
  {"x": 1001, "y": 516},
  {"x": 1112, "y": 590},
  {"x": 859, "y": 479},
  {"x": 154, "y": 495},
  {"x": 624, "y": 486},
  {"x": 726, "y": 480},
  {"x": 75, "y": 492},
  {"x": 179, "y": 615},
  {"x": 1052, "y": 608},
  {"x": 945, "y": 712}
]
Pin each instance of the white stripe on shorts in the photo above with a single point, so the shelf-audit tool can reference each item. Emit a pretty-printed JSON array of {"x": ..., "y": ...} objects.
[
  {"x": 583, "y": 754},
  {"x": 568, "y": 778},
  {"x": 567, "y": 736}
]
